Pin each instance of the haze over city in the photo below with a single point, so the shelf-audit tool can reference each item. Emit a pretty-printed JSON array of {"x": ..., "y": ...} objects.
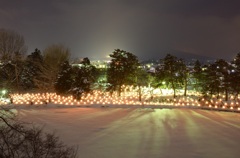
[{"x": 149, "y": 29}]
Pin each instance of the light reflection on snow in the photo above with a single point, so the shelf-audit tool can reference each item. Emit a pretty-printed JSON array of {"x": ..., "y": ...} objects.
[{"x": 129, "y": 132}]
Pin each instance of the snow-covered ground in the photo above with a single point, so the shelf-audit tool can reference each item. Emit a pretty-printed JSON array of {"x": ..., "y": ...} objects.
[{"x": 142, "y": 133}]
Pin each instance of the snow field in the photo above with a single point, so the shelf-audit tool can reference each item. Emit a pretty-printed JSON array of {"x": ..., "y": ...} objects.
[{"x": 132, "y": 132}]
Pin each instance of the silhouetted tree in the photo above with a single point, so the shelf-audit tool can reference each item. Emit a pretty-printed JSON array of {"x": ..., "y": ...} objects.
[
  {"x": 172, "y": 72},
  {"x": 12, "y": 45},
  {"x": 18, "y": 140},
  {"x": 10, "y": 74},
  {"x": 64, "y": 79},
  {"x": 197, "y": 75},
  {"x": 217, "y": 78},
  {"x": 83, "y": 78},
  {"x": 53, "y": 57},
  {"x": 122, "y": 69},
  {"x": 31, "y": 70},
  {"x": 183, "y": 75},
  {"x": 141, "y": 80},
  {"x": 235, "y": 80}
]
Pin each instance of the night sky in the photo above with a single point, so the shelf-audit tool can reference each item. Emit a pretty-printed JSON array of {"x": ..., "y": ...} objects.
[{"x": 147, "y": 28}]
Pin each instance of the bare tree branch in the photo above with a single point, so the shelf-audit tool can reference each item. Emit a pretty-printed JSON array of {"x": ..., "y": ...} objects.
[{"x": 18, "y": 140}]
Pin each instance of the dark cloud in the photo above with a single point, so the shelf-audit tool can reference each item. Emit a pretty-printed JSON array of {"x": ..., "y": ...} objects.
[
  {"x": 145, "y": 27},
  {"x": 219, "y": 8}
]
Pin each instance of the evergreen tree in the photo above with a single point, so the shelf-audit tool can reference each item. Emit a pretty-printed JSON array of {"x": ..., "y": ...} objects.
[
  {"x": 64, "y": 79},
  {"x": 122, "y": 70},
  {"x": 197, "y": 75},
  {"x": 183, "y": 75},
  {"x": 224, "y": 73},
  {"x": 211, "y": 83},
  {"x": 173, "y": 72},
  {"x": 8, "y": 76},
  {"x": 235, "y": 77},
  {"x": 31, "y": 70},
  {"x": 141, "y": 80},
  {"x": 83, "y": 79},
  {"x": 217, "y": 77}
]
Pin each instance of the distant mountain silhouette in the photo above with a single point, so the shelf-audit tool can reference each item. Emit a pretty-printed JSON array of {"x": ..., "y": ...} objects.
[
  {"x": 180, "y": 54},
  {"x": 189, "y": 56}
]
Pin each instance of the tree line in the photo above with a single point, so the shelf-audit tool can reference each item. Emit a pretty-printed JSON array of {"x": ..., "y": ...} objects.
[{"x": 51, "y": 71}]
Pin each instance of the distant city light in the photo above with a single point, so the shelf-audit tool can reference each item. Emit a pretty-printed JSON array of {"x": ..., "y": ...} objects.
[{"x": 4, "y": 92}]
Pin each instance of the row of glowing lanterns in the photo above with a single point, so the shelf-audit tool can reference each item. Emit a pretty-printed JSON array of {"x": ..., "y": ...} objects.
[{"x": 129, "y": 96}]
